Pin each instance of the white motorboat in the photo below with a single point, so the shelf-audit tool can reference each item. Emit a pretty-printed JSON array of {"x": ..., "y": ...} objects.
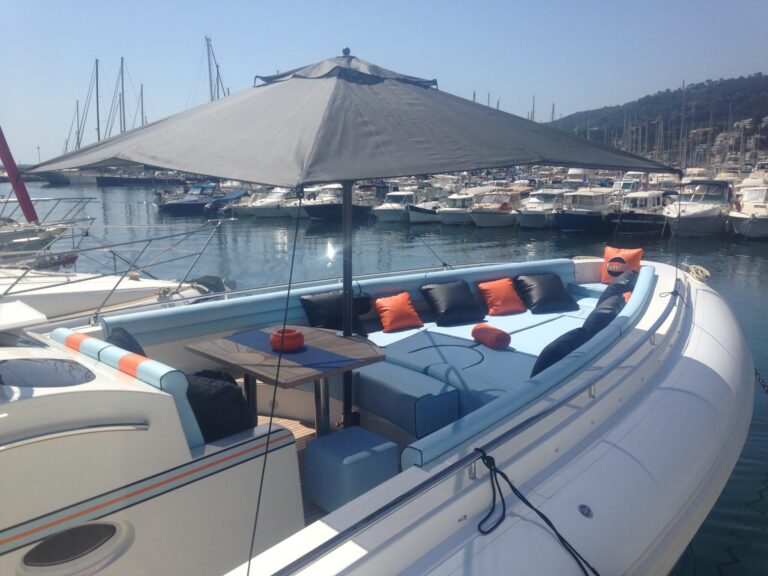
[
  {"x": 395, "y": 207},
  {"x": 585, "y": 210},
  {"x": 749, "y": 217},
  {"x": 537, "y": 210},
  {"x": 109, "y": 473},
  {"x": 641, "y": 212},
  {"x": 455, "y": 212},
  {"x": 424, "y": 212},
  {"x": 273, "y": 205},
  {"x": 696, "y": 173},
  {"x": 497, "y": 209},
  {"x": 700, "y": 209}
]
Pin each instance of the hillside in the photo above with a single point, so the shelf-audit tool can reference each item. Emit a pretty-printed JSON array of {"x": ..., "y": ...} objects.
[{"x": 733, "y": 108}]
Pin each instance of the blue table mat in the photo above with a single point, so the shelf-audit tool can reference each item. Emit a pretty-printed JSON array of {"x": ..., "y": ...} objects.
[{"x": 307, "y": 356}]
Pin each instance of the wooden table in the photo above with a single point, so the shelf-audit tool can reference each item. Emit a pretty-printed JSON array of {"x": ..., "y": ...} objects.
[{"x": 324, "y": 354}]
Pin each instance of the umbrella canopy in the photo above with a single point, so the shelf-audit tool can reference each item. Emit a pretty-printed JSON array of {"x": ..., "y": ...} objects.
[{"x": 344, "y": 119}]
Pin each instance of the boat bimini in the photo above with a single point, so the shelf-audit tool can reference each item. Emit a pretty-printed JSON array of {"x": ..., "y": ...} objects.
[{"x": 106, "y": 468}]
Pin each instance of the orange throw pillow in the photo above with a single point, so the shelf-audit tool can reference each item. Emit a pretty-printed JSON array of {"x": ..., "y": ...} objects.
[
  {"x": 491, "y": 336},
  {"x": 397, "y": 312},
  {"x": 501, "y": 297},
  {"x": 618, "y": 260}
]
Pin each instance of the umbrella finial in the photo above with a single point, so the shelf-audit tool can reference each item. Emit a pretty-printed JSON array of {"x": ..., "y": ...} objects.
[{"x": 345, "y": 52}]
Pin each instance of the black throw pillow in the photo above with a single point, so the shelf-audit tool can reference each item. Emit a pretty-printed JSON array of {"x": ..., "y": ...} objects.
[
  {"x": 219, "y": 407},
  {"x": 121, "y": 338},
  {"x": 559, "y": 349},
  {"x": 324, "y": 310},
  {"x": 452, "y": 303},
  {"x": 624, "y": 283},
  {"x": 544, "y": 293},
  {"x": 603, "y": 313}
]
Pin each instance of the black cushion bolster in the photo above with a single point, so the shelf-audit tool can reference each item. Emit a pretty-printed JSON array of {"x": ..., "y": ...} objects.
[
  {"x": 452, "y": 303},
  {"x": 624, "y": 283},
  {"x": 603, "y": 313},
  {"x": 559, "y": 349},
  {"x": 544, "y": 293}
]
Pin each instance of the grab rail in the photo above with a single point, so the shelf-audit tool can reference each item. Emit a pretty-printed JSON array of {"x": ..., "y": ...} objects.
[
  {"x": 127, "y": 427},
  {"x": 470, "y": 459}
]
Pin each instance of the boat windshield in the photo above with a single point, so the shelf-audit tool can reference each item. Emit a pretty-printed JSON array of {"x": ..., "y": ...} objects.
[
  {"x": 704, "y": 192},
  {"x": 460, "y": 202},
  {"x": 329, "y": 194},
  {"x": 495, "y": 199},
  {"x": 398, "y": 198},
  {"x": 543, "y": 197},
  {"x": 754, "y": 195}
]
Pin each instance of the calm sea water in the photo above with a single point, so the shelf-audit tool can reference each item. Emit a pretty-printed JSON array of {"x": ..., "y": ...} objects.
[{"x": 732, "y": 540}]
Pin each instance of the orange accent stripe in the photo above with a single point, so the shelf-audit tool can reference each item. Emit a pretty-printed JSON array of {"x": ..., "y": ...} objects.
[
  {"x": 75, "y": 340},
  {"x": 130, "y": 363},
  {"x": 140, "y": 491}
]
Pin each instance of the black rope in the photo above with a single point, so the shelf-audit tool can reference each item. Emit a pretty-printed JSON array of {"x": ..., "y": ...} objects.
[
  {"x": 300, "y": 196},
  {"x": 443, "y": 262},
  {"x": 761, "y": 381},
  {"x": 496, "y": 493}
]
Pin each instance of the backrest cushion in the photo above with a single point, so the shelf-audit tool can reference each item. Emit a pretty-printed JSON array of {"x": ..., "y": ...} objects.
[
  {"x": 559, "y": 349},
  {"x": 616, "y": 261},
  {"x": 219, "y": 407},
  {"x": 603, "y": 314},
  {"x": 501, "y": 297},
  {"x": 397, "y": 312},
  {"x": 324, "y": 310},
  {"x": 122, "y": 338},
  {"x": 452, "y": 303},
  {"x": 623, "y": 283},
  {"x": 544, "y": 293}
]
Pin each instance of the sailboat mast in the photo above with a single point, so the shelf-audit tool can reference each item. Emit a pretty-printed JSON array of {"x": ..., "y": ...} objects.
[
  {"x": 98, "y": 115},
  {"x": 141, "y": 100},
  {"x": 122, "y": 95},
  {"x": 77, "y": 125},
  {"x": 210, "y": 69}
]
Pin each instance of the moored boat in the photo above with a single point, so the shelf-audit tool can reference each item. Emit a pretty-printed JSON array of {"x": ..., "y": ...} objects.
[
  {"x": 395, "y": 207},
  {"x": 585, "y": 210},
  {"x": 328, "y": 205},
  {"x": 749, "y": 217},
  {"x": 497, "y": 209},
  {"x": 111, "y": 453},
  {"x": 424, "y": 212},
  {"x": 700, "y": 209},
  {"x": 273, "y": 205},
  {"x": 641, "y": 213},
  {"x": 537, "y": 211},
  {"x": 198, "y": 199}
]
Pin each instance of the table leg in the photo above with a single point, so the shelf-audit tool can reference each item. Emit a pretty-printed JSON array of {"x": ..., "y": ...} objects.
[
  {"x": 249, "y": 383},
  {"x": 322, "y": 407}
]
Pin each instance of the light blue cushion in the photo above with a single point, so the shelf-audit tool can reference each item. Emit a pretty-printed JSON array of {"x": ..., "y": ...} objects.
[
  {"x": 416, "y": 403},
  {"x": 534, "y": 340},
  {"x": 345, "y": 464}
]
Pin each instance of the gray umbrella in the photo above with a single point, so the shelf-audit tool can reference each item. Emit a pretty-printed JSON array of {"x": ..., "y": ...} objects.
[{"x": 343, "y": 120}]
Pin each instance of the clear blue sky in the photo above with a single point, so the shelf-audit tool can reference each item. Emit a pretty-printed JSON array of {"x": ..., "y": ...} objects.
[{"x": 579, "y": 54}]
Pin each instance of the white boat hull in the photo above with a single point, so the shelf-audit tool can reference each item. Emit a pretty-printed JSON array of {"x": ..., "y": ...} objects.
[
  {"x": 535, "y": 220},
  {"x": 749, "y": 226},
  {"x": 692, "y": 221},
  {"x": 255, "y": 211},
  {"x": 449, "y": 217},
  {"x": 423, "y": 216},
  {"x": 493, "y": 219},
  {"x": 399, "y": 214}
]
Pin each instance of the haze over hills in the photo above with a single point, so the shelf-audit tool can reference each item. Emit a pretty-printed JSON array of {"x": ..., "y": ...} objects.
[{"x": 719, "y": 121}]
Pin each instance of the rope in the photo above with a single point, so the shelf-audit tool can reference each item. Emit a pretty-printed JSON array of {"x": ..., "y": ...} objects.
[
  {"x": 274, "y": 388},
  {"x": 761, "y": 381},
  {"x": 495, "y": 473}
]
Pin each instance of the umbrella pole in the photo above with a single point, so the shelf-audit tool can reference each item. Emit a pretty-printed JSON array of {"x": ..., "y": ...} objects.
[{"x": 348, "y": 417}]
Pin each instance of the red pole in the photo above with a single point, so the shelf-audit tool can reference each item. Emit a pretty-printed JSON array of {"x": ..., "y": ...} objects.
[{"x": 18, "y": 184}]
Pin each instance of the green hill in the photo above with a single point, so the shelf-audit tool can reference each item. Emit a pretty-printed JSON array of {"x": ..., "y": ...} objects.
[{"x": 652, "y": 124}]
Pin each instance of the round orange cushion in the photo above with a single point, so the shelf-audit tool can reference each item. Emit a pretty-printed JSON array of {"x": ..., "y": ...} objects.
[
  {"x": 397, "y": 312},
  {"x": 501, "y": 297},
  {"x": 618, "y": 260}
]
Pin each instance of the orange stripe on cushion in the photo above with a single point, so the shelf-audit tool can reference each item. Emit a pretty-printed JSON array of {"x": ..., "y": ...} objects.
[
  {"x": 130, "y": 363},
  {"x": 75, "y": 340}
]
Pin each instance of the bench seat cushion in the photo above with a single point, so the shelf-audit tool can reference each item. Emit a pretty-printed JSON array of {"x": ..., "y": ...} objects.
[{"x": 413, "y": 401}]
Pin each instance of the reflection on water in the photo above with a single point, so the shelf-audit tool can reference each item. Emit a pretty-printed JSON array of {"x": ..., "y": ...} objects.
[{"x": 257, "y": 253}]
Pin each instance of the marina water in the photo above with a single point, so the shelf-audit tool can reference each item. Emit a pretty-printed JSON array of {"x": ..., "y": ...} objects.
[{"x": 254, "y": 253}]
